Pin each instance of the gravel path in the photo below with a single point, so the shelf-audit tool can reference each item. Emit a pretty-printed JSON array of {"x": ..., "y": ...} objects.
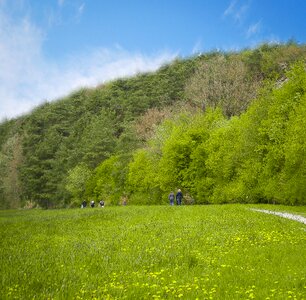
[{"x": 283, "y": 214}]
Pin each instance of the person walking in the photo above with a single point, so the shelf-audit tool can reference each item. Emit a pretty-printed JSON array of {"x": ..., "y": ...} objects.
[
  {"x": 179, "y": 197},
  {"x": 171, "y": 198}
]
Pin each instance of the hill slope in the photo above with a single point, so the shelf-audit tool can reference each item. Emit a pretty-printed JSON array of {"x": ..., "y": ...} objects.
[{"x": 82, "y": 146}]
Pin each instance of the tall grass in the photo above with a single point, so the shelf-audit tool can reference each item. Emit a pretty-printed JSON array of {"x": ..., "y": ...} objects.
[{"x": 188, "y": 252}]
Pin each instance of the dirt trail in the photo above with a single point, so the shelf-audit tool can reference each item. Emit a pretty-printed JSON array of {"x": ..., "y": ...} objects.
[{"x": 283, "y": 214}]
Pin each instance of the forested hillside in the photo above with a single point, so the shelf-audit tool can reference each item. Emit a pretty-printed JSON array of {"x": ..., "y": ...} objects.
[{"x": 223, "y": 127}]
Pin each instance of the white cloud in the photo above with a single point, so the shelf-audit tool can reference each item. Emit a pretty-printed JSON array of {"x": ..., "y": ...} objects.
[
  {"x": 197, "y": 47},
  {"x": 253, "y": 29},
  {"x": 230, "y": 9},
  {"x": 28, "y": 78},
  {"x": 79, "y": 12},
  {"x": 240, "y": 13},
  {"x": 236, "y": 11},
  {"x": 81, "y": 8}
]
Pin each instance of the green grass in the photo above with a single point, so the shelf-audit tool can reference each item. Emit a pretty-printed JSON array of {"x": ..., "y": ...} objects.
[{"x": 188, "y": 252}]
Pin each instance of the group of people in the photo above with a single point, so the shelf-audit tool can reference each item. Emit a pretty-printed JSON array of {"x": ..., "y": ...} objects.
[
  {"x": 92, "y": 204},
  {"x": 178, "y": 197}
]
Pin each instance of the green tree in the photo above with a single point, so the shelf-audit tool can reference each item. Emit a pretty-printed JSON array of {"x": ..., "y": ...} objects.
[
  {"x": 108, "y": 181},
  {"x": 76, "y": 181},
  {"x": 142, "y": 178}
]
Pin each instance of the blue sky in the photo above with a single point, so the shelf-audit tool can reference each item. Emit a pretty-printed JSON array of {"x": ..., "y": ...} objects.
[{"x": 49, "y": 48}]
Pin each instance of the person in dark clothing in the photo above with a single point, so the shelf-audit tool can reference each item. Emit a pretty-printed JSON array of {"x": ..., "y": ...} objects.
[
  {"x": 92, "y": 203},
  {"x": 179, "y": 197},
  {"x": 101, "y": 203},
  {"x": 171, "y": 198},
  {"x": 84, "y": 203}
]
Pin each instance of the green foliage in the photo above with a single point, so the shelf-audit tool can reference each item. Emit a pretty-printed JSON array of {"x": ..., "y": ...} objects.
[
  {"x": 283, "y": 129},
  {"x": 169, "y": 162},
  {"x": 142, "y": 178},
  {"x": 176, "y": 165},
  {"x": 293, "y": 174},
  {"x": 77, "y": 179},
  {"x": 99, "y": 138},
  {"x": 272, "y": 60},
  {"x": 257, "y": 157},
  {"x": 108, "y": 180},
  {"x": 252, "y": 159},
  {"x": 218, "y": 155}
]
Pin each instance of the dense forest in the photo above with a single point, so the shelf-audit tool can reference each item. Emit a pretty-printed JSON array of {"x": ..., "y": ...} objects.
[{"x": 223, "y": 126}]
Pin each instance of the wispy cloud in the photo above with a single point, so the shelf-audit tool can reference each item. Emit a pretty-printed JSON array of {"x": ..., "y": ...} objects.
[
  {"x": 236, "y": 10},
  {"x": 197, "y": 47},
  {"x": 241, "y": 12},
  {"x": 28, "y": 78},
  {"x": 64, "y": 13},
  {"x": 53, "y": 17},
  {"x": 230, "y": 9},
  {"x": 81, "y": 8},
  {"x": 79, "y": 12},
  {"x": 253, "y": 29}
]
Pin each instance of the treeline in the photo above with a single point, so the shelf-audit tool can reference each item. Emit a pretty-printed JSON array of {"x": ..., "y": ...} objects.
[{"x": 223, "y": 127}]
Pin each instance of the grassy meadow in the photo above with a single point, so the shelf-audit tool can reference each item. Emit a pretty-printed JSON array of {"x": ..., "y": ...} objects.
[{"x": 153, "y": 252}]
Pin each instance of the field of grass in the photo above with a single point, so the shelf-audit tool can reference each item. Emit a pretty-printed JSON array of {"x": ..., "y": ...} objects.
[{"x": 156, "y": 252}]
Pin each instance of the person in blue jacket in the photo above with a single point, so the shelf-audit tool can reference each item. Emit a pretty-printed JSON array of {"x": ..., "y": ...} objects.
[
  {"x": 179, "y": 197},
  {"x": 171, "y": 198}
]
